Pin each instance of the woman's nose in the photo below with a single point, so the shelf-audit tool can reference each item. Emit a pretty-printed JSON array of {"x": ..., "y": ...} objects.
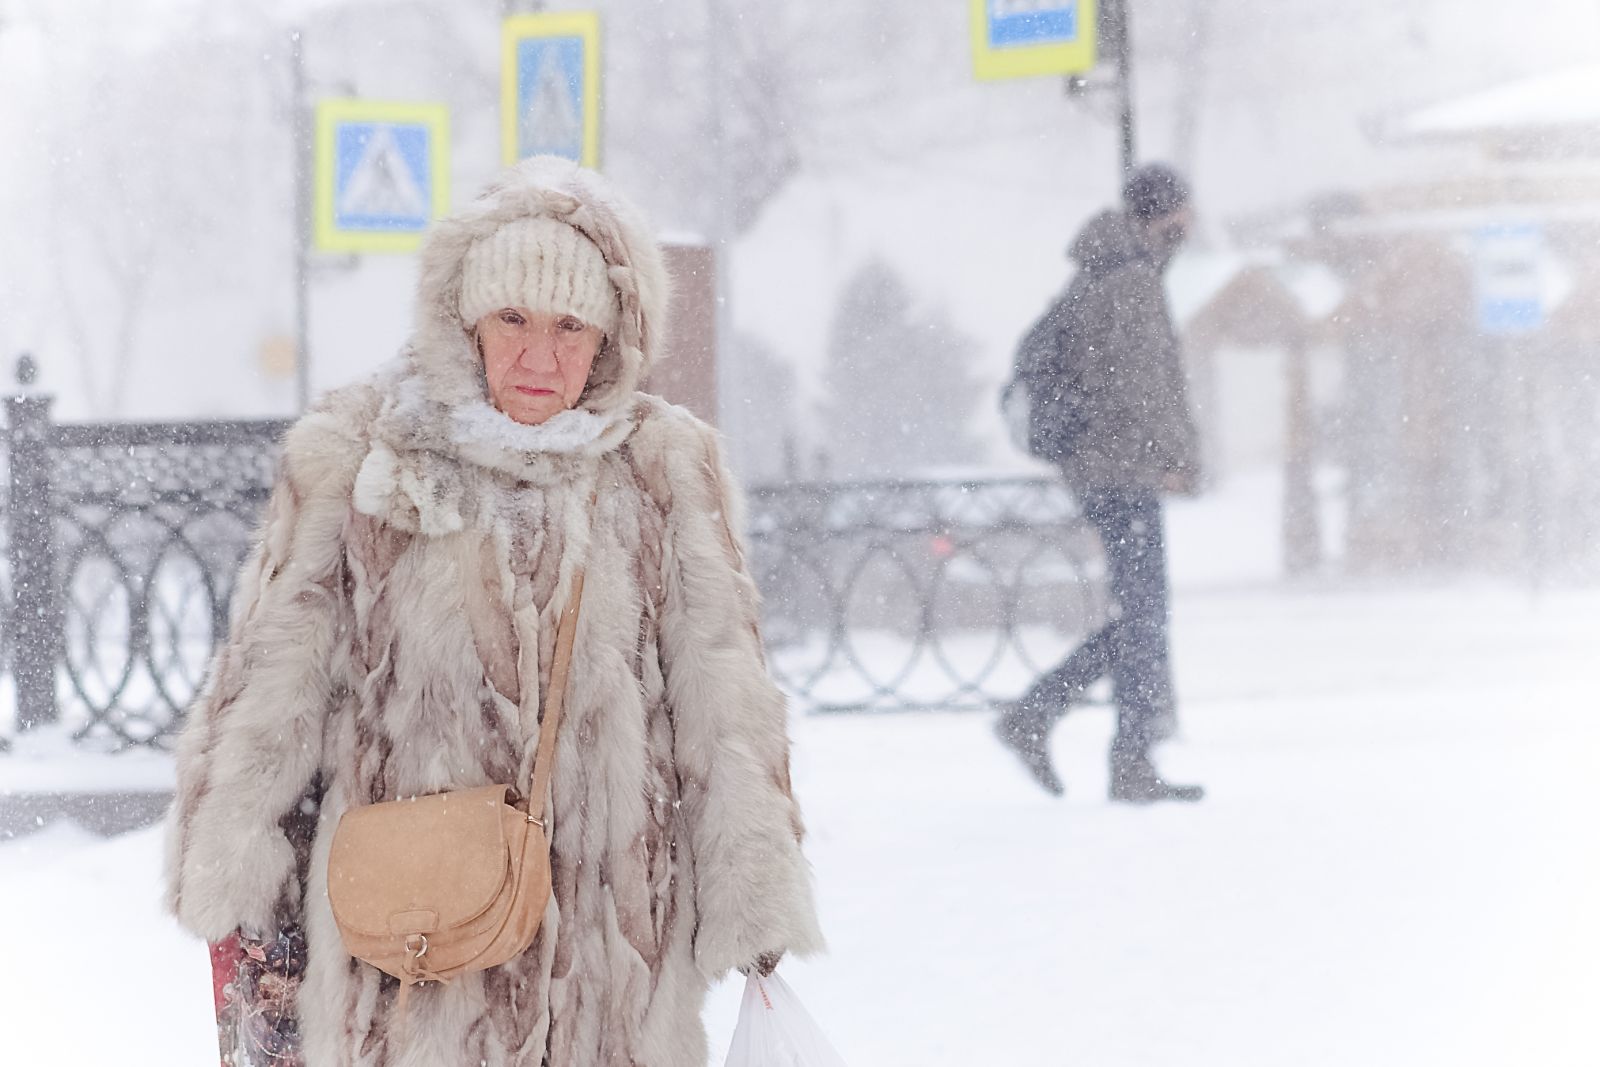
[{"x": 539, "y": 354}]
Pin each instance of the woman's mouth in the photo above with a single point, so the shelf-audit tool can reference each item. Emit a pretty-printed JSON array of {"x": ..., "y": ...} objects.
[{"x": 528, "y": 390}]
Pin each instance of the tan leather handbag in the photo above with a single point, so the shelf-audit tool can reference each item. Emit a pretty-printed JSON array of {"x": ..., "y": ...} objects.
[{"x": 432, "y": 887}]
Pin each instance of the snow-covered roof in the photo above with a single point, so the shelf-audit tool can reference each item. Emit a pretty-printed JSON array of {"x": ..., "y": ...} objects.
[
  {"x": 1314, "y": 287},
  {"x": 1561, "y": 100},
  {"x": 1196, "y": 278}
]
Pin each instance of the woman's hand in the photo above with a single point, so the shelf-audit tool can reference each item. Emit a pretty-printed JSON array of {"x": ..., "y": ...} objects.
[
  {"x": 282, "y": 951},
  {"x": 258, "y": 996},
  {"x": 272, "y": 967},
  {"x": 763, "y": 965}
]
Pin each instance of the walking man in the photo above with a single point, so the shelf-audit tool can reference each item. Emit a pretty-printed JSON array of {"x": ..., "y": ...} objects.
[{"x": 1108, "y": 393}]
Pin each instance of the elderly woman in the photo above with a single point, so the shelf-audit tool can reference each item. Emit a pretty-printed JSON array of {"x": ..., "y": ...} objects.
[{"x": 393, "y": 637}]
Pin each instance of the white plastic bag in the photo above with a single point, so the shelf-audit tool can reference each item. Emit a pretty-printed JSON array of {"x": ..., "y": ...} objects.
[{"x": 775, "y": 1031}]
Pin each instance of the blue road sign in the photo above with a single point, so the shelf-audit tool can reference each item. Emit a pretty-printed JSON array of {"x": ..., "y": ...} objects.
[
  {"x": 381, "y": 178},
  {"x": 550, "y": 95},
  {"x": 1510, "y": 288},
  {"x": 381, "y": 174},
  {"x": 1031, "y": 22},
  {"x": 1027, "y": 38}
]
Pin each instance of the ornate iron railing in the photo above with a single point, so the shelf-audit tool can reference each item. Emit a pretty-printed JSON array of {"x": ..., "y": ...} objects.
[
  {"x": 152, "y": 522},
  {"x": 906, "y": 595},
  {"x": 122, "y": 543}
]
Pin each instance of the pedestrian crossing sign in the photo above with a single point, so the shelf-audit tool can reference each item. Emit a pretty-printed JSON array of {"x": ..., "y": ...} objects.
[
  {"x": 382, "y": 174},
  {"x": 1024, "y": 38},
  {"x": 550, "y": 87}
]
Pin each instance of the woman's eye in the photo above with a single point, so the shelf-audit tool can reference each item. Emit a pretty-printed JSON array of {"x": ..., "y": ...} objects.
[
  {"x": 571, "y": 324},
  {"x": 511, "y": 318}
]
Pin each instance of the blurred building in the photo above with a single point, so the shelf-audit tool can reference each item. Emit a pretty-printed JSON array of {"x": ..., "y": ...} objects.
[{"x": 1427, "y": 353}]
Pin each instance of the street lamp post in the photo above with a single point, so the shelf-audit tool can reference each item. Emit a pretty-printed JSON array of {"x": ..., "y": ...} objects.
[
  {"x": 300, "y": 132},
  {"x": 1117, "y": 37}
]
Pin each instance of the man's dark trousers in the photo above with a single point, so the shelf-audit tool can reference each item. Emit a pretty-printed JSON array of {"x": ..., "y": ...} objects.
[{"x": 1133, "y": 645}]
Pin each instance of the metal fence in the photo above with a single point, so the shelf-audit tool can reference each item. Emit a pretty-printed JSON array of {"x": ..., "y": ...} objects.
[
  {"x": 912, "y": 595},
  {"x": 121, "y": 543}
]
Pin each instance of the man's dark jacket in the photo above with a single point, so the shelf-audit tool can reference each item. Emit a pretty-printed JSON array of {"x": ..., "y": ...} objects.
[{"x": 1117, "y": 383}]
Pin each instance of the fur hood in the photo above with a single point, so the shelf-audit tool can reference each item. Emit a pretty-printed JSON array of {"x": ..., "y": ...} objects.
[{"x": 437, "y": 398}]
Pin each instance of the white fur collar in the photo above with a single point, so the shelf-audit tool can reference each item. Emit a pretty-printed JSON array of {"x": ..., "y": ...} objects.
[
  {"x": 417, "y": 474},
  {"x": 475, "y": 425}
]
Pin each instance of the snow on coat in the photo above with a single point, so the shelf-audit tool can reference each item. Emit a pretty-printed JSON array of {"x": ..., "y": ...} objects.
[
  {"x": 392, "y": 636},
  {"x": 1127, "y": 397}
]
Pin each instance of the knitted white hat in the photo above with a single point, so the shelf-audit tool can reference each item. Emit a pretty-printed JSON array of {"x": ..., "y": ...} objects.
[{"x": 542, "y": 265}]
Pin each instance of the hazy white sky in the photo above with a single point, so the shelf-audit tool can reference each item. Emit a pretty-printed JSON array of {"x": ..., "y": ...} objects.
[{"x": 971, "y": 189}]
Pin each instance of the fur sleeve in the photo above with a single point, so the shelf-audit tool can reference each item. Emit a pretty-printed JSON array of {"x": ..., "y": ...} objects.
[
  {"x": 253, "y": 739},
  {"x": 752, "y": 884}
]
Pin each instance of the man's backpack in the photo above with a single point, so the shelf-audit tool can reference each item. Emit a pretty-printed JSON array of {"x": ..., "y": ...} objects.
[{"x": 1040, "y": 404}]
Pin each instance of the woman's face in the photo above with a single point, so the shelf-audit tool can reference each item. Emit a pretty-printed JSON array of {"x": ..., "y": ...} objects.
[{"x": 536, "y": 363}]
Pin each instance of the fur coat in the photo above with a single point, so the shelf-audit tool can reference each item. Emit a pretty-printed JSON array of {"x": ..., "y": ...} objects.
[{"x": 392, "y": 636}]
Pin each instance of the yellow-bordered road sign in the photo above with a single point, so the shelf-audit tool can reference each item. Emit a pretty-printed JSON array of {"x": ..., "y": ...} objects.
[
  {"x": 550, "y": 86},
  {"x": 382, "y": 174},
  {"x": 1023, "y": 38}
]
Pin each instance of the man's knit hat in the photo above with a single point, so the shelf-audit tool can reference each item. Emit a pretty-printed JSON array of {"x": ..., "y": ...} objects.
[
  {"x": 1155, "y": 190},
  {"x": 540, "y": 264}
]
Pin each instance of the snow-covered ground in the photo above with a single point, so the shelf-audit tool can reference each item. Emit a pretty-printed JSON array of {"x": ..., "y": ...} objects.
[{"x": 1397, "y": 862}]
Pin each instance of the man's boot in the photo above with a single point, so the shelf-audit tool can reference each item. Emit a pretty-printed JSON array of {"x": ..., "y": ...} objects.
[
  {"x": 1025, "y": 730},
  {"x": 1134, "y": 779}
]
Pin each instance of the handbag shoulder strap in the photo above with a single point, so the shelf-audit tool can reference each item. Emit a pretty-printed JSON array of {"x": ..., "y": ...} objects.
[{"x": 555, "y": 699}]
